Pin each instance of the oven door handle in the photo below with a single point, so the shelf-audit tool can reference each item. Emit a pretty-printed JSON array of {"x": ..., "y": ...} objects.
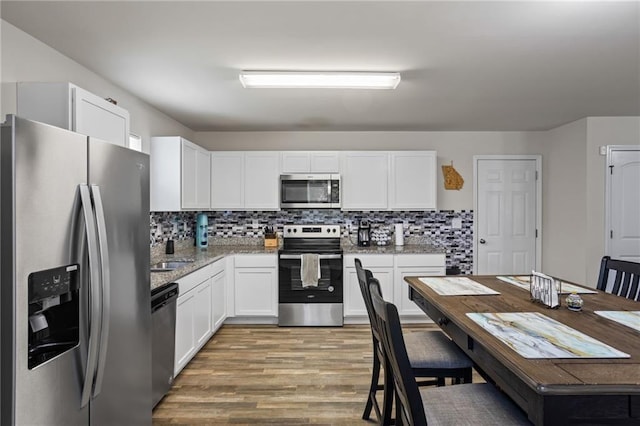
[{"x": 320, "y": 256}]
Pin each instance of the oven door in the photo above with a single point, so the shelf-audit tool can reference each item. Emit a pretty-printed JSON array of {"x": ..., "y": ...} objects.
[{"x": 329, "y": 289}]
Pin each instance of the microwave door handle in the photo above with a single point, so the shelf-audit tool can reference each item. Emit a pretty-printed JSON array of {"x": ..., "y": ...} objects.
[{"x": 94, "y": 294}]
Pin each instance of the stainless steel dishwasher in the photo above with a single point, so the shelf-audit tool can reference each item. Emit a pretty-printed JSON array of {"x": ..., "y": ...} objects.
[{"x": 163, "y": 342}]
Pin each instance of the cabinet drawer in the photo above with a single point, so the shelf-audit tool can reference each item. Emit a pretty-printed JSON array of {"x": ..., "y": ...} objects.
[
  {"x": 218, "y": 266},
  {"x": 370, "y": 260},
  {"x": 256, "y": 261},
  {"x": 190, "y": 281},
  {"x": 420, "y": 260}
]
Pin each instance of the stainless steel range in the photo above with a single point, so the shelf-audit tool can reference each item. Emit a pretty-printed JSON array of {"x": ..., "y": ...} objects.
[{"x": 310, "y": 276}]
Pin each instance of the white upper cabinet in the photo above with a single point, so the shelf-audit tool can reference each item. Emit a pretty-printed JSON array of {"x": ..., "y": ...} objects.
[
  {"x": 364, "y": 180},
  {"x": 261, "y": 180},
  {"x": 310, "y": 162},
  {"x": 73, "y": 108},
  {"x": 245, "y": 180},
  {"x": 389, "y": 180},
  {"x": 227, "y": 180},
  {"x": 412, "y": 180},
  {"x": 180, "y": 175}
]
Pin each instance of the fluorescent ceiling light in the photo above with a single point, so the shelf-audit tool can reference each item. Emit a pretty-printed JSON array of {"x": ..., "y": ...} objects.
[{"x": 319, "y": 80}]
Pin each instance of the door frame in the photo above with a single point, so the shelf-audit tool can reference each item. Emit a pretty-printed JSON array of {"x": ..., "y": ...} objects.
[
  {"x": 506, "y": 157},
  {"x": 607, "y": 191}
]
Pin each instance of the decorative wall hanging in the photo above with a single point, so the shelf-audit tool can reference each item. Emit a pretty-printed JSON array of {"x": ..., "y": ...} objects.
[{"x": 452, "y": 179}]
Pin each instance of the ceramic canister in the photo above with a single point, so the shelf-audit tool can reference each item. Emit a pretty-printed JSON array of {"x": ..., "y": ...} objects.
[
  {"x": 399, "y": 233},
  {"x": 202, "y": 225}
]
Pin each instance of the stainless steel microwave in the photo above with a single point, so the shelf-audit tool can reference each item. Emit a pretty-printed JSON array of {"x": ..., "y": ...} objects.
[{"x": 309, "y": 191}]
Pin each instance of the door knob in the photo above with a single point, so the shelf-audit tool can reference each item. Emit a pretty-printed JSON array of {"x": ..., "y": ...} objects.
[{"x": 482, "y": 241}]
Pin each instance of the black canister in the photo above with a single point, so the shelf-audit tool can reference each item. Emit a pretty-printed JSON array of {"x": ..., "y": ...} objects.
[{"x": 169, "y": 248}]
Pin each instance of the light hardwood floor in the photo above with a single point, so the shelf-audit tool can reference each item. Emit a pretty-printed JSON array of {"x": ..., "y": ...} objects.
[{"x": 251, "y": 375}]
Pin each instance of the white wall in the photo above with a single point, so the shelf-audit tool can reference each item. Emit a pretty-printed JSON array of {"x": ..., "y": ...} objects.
[
  {"x": 564, "y": 201},
  {"x": 573, "y": 194},
  {"x": 602, "y": 131},
  {"x": 25, "y": 58},
  {"x": 459, "y": 147}
]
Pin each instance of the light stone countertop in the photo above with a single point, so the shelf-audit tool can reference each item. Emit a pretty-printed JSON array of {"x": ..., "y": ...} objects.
[{"x": 219, "y": 248}]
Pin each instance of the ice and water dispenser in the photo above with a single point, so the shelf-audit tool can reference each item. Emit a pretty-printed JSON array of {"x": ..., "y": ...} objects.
[{"x": 53, "y": 313}]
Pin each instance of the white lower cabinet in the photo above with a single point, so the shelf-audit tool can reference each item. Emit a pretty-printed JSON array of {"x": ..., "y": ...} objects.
[
  {"x": 185, "y": 337},
  {"x": 256, "y": 285},
  {"x": 407, "y": 265},
  {"x": 218, "y": 296},
  {"x": 381, "y": 265},
  {"x": 390, "y": 270},
  {"x": 193, "y": 316}
]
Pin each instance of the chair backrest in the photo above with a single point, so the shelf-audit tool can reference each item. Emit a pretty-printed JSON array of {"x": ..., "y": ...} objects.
[
  {"x": 410, "y": 409},
  {"x": 364, "y": 275},
  {"x": 620, "y": 277}
]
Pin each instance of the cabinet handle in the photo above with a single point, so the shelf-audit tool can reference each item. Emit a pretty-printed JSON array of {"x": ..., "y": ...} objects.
[{"x": 482, "y": 241}]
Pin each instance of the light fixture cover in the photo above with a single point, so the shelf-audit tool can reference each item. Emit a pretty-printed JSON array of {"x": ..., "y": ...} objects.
[{"x": 319, "y": 79}]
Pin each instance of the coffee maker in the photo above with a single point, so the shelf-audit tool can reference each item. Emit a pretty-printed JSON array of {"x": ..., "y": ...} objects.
[{"x": 364, "y": 234}]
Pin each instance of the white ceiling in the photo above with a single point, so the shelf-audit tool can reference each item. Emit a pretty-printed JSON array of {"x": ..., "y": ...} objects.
[{"x": 465, "y": 65}]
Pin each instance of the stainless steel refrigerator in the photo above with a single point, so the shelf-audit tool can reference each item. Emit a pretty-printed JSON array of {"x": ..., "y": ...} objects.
[{"x": 75, "y": 321}]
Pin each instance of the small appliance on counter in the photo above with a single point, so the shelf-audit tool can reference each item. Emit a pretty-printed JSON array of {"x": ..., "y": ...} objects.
[
  {"x": 364, "y": 234},
  {"x": 202, "y": 226}
]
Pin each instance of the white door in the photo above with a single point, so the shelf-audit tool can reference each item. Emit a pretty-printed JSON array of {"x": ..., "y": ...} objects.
[
  {"x": 507, "y": 215},
  {"x": 623, "y": 209}
]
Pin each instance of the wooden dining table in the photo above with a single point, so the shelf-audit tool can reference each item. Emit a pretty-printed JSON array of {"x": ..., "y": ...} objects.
[{"x": 552, "y": 391}]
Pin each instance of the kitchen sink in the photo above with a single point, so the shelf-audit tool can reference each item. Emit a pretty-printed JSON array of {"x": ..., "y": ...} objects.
[{"x": 170, "y": 266}]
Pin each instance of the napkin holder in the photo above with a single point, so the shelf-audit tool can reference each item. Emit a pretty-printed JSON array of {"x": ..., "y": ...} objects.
[{"x": 545, "y": 289}]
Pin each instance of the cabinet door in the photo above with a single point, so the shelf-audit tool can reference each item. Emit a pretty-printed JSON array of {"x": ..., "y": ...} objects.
[
  {"x": 202, "y": 314},
  {"x": 227, "y": 180},
  {"x": 412, "y": 180},
  {"x": 405, "y": 305},
  {"x": 165, "y": 174},
  {"x": 185, "y": 339},
  {"x": 203, "y": 179},
  {"x": 218, "y": 300},
  {"x": 256, "y": 292},
  {"x": 189, "y": 175},
  {"x": 261, "y": 181},
  {"x": 295, "y": 162},
  {"x": 364, "y": 180},
  {"x": 353, "y": 301},
  {"x": 93, "y": 116},
  {"x": 325, "y": 162}
]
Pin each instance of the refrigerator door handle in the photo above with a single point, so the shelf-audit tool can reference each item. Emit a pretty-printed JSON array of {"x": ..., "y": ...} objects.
[
  {"x": 94, "y": 294},
  {"x": 105, "y": 284}
]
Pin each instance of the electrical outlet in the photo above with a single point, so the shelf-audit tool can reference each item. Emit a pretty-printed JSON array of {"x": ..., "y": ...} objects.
[{"x": 456, "y": 223}]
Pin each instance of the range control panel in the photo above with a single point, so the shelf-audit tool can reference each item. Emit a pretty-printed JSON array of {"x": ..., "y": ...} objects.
[{"x": 311, "y": 231}]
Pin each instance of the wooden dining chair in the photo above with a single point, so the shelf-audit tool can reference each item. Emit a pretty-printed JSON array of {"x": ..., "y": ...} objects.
[
  {"x": 475, "y": 404},
  {"x": 432, "y": 355},
  {"x": 619, "y": 277}
]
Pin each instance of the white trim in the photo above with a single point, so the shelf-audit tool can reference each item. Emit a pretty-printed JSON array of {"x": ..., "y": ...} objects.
[
  {"x": 607, "y": 191},
  {"x": 538, "y": 160}
]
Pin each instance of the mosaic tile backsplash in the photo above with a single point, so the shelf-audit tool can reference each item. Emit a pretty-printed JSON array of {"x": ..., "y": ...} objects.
[{"x": 434, "y": 225}]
